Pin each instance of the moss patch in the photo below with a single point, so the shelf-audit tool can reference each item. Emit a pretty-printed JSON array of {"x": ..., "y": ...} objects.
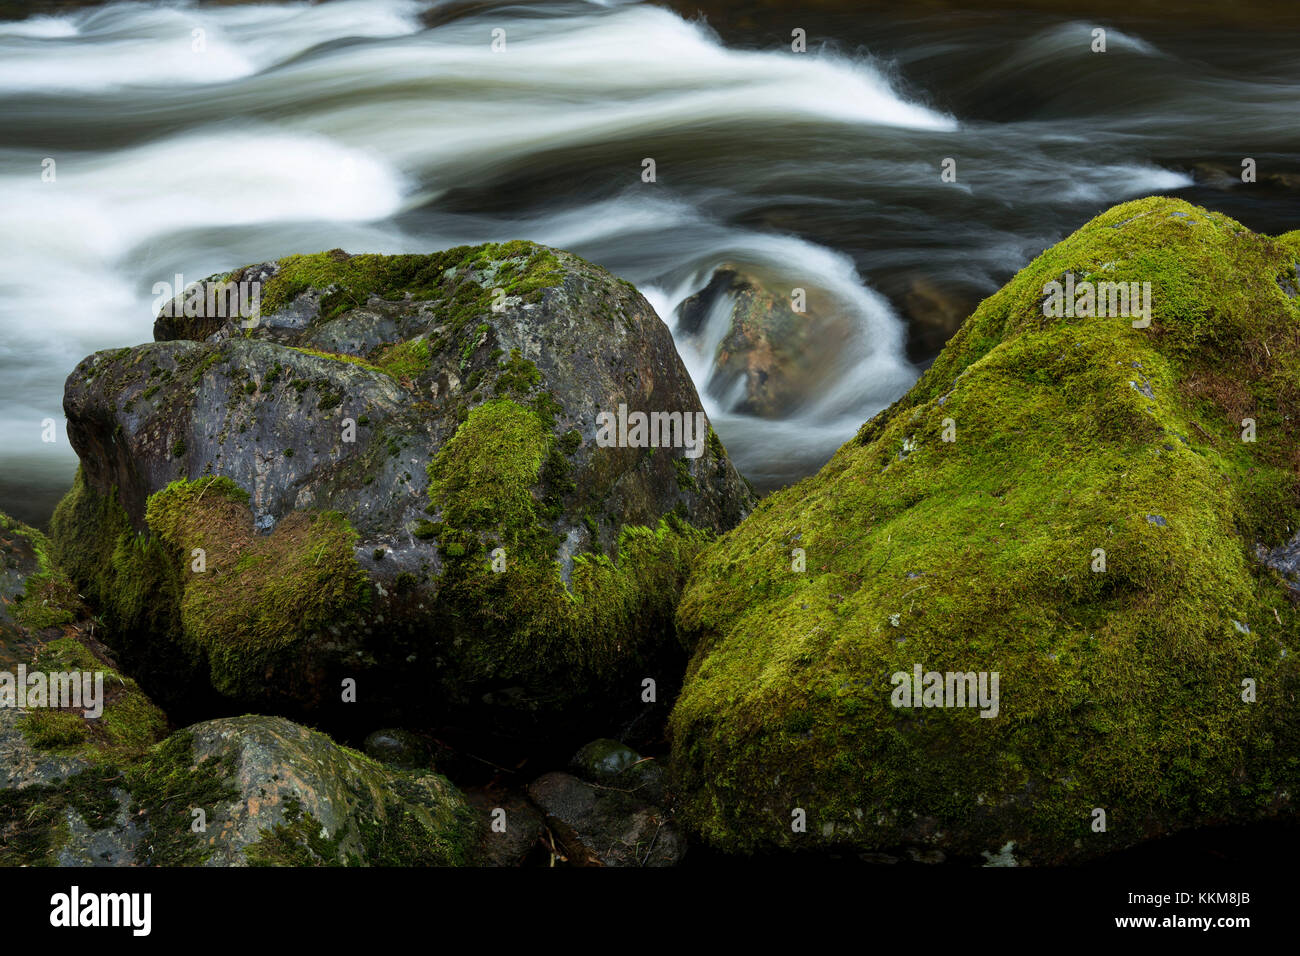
[
  {"x": 167, "y": 785},
  {"x": 259, "y": 594},
  {"x": 257, "y": 599},
  {"x": 459, "y": 279},
  {"x": 489, "y": 488},
  {"x": 49, "y": 599},
  {"x": 129, "y": 724},
  {"x": 33, "y": 820}
]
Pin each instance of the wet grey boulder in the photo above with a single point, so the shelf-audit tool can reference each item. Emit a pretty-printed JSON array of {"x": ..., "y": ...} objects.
[{"x": 393, "y": 476}]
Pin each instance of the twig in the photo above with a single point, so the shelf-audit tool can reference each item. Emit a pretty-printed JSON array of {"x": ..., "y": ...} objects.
[{"x": 651, "y": 848}]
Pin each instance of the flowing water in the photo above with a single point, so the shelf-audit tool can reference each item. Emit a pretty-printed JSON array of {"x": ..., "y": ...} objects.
[{"x": 394, "y": 126}]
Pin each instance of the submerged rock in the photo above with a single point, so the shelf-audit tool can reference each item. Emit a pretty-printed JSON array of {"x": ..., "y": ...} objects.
[
  {"x": 771, "y": 359},
  {"x": 392, "y": 477},
  {"x": 1029, "y": 492}
]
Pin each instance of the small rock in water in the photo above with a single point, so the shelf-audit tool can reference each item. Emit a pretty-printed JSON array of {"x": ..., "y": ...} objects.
[{"x": 398, "y": 747}]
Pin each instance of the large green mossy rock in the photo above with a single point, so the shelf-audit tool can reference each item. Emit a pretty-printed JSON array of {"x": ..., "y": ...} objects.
[
  {"x": 391, "y": 476},
  {"x": 1089, "y": 533}
]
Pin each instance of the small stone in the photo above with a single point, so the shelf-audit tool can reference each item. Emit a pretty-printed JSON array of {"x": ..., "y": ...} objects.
[{"x": 401, "y": 748}]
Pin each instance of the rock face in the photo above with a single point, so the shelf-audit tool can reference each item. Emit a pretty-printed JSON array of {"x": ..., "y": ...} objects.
[
  {"x": 770, "y": 360},
  {"x": 1001, "y": 518},
  {"x": 392, "y": 476}
]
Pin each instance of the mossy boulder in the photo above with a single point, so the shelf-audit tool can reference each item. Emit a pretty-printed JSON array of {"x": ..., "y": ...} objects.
[
  {"x": 275, "y": 793},
  {"x": 45, "y": 628},
  {"x": 59, "y": 802},
  {"x": 1074, "y": 504},
  {"x": 391, "y": 475},
  {"x": 240, "y": 791}
]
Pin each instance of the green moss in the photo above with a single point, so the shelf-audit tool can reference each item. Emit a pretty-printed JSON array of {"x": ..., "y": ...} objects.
[
  {"x": 471, "y": 342},
  {"x": 53, "y": 729},
  {"x": 298, "y": 841},
  {"x": 423, "y": 824},
  {"x": 33, "y": 820},
  {"x": 1119, "y": 689},
  {"x": 129, "y": 724},
  {"x": 219, "y": 354},
  {"x": 518, "y": 376},
  {"x": 413, "y": 826},
  {"x": 261, "y": 594},
  {"x": 460, "y": 280},
  {"x": 48, "y": 598},
  {"x": 131, "y": 580},
  {"x": 339, "y": 357},
  {"x": 685, "y": 480},
  {"x": 500, "y": 449},
  {"x": 259, "y": 597},
  {"x": 167, "y": 785},
  {"x": 489, "y": 486},
  {"x": 404, "y": 359}
]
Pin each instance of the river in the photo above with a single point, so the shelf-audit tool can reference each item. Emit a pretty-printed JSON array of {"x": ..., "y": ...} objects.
[{"x": 193, "y": 139}]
